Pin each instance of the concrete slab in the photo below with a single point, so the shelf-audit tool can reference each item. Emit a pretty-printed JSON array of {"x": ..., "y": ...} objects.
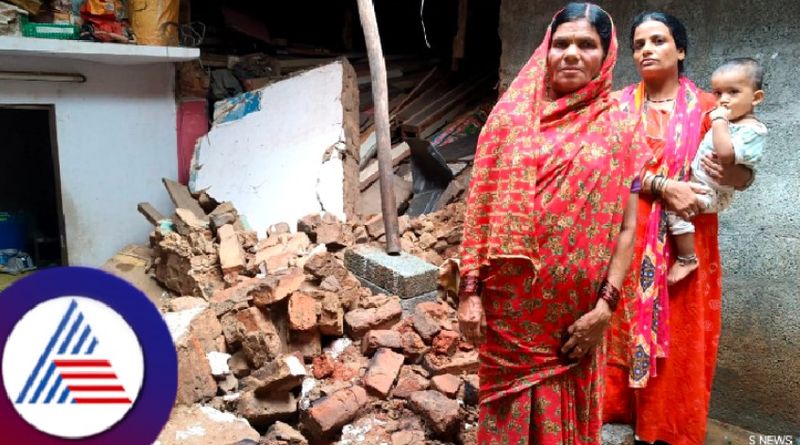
[{"x": 403, "y": 275}]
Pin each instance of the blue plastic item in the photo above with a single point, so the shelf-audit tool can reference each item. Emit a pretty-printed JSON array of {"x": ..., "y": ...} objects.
[{"x": 12, "y": 231}]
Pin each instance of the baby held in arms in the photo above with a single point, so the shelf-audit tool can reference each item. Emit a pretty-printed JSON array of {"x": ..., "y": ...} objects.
[{"x": 735, "y": 137}]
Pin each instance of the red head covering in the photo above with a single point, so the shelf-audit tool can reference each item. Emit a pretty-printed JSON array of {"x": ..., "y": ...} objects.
[{"x": 545, "y": 169}]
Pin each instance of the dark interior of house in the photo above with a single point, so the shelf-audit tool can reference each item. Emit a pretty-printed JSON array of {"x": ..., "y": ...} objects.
[{"x": 29, "y": 204}]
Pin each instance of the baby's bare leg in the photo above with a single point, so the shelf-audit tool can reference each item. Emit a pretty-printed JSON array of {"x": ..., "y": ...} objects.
[{"x": 686, "y": 262}]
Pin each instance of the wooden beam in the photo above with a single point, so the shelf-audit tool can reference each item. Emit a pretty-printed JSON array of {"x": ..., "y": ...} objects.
[
  {"x": 459, "y": 41},
  {"x": 150, "y": 212},
  {"x": 377, "y": 68},
  {"x": 180, "y": 196},
  {"x": 399, "y": 153}
]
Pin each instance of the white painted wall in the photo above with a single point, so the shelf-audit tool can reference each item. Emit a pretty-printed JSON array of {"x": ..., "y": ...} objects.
[
  {"x": 116, "y": 140},
  {"x": 269, "y": 163}
]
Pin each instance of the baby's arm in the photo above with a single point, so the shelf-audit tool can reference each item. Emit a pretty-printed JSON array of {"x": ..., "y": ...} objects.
[{"x": 721, "y": 136}]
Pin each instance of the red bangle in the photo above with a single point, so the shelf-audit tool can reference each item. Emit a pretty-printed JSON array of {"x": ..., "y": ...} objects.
[
  {"x": 610, "y": 294},
  {"x": 469, "y": 285}
]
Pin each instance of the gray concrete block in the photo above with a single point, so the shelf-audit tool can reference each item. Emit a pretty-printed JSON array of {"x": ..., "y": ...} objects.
[
  {"x": 403, "y": 275},
  {"x": 408, "y": 304}
]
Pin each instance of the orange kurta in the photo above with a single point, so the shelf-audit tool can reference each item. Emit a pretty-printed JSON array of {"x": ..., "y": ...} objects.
[{"x": 673, "y": 407}]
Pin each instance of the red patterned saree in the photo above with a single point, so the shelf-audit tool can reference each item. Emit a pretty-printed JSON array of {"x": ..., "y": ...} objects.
[
  {"x": 550, "y": 185},
  {"x": 671, "y": 401}
]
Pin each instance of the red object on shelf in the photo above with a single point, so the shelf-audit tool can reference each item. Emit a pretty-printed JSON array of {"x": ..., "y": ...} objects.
[{"x": 192, "y": 124}]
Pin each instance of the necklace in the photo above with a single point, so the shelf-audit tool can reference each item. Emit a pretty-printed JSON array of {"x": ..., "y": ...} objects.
[{"x": 660, "y": 101}]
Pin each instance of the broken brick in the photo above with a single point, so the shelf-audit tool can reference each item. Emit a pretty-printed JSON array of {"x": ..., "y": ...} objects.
[
  {"x": 276, "y": 287},
  {"x": 261, "y": 412},
  {"x": 413, "y": 346},
  {"x": 447, "y": 384},
  {"x": 457, "y": 364},
  {"x": 408, "y": 437},
  {"x": 256, "y": 333},
  {"x": 208, "y": 331},
  {"x": 324, "y": 265},
  {"x": 195, "y": 383},
  {"x": 382, "y": 372},
  {"x": 238, "y": 364},
  {"x": 446, "y": 343},
  {"x": 278, "y": 229},
  {"x": 426, "y": 326},
  {"x": 284, "y": 434},
  {"x": 231, "y": 255},
  {"x": 283, "y": 374},
  {"x": 322, "y": 366},
  {"x": 439, "y": 412},
  {"x": 331, "y": 317},
  {"x": 328, "y": 415},
  {"x": 307, "y": 344},
  {"x": 298, "y": 243},
  {"x": 303, "y": 312},
  {"x": 375, "y": 226},
  {"x": 360, "y": 321},
  {"x": 376, "y": 339},
  {"x": 409, "y": 381}
]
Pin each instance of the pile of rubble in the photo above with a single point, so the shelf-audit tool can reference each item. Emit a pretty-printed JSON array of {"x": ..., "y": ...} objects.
[
  {"x": 433, "y": 237},
  {"x": 278, "y": 343}
]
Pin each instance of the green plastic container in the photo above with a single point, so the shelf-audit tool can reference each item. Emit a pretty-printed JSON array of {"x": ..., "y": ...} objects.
[{"x": 60, "y": 31}]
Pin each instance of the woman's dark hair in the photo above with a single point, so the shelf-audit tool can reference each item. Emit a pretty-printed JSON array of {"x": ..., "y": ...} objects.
[
  {"x": 675, "y": 26},
  {"x": 592, "y": 13}
]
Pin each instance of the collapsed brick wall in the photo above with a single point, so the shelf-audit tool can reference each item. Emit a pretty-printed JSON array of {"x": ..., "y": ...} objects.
[{"x": 280, "y": 333}]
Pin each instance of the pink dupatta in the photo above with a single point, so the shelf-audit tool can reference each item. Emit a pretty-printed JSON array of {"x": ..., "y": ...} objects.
[{"x": 650, "y": 323}]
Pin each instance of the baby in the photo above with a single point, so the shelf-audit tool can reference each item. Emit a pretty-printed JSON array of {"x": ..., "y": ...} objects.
[{"x": 736, "y": 137}]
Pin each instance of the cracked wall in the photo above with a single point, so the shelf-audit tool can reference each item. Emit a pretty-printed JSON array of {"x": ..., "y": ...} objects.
[{"x": 293, "y": 155}]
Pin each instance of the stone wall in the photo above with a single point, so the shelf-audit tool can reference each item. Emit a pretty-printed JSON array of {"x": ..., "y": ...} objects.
[{"x": 757, "y": 386}]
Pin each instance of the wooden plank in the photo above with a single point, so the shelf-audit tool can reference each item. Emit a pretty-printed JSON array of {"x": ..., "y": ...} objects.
[
  {"x": 434, "y": 110},
  {"x": 391, "y": 74},
  {"x": 424, "y": 83},
  {"x": 150, "y": 212},
  {"x": 430, "y": 95},
  {"x": 399, "y": 153},
  {"x": 444, "y": 110},
  {"x": 300, "y": 63},
  {"x": 180, "y": 196}
]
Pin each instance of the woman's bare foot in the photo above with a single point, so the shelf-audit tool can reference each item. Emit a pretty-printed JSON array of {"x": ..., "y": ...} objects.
[{"x": 682, "y": 268}]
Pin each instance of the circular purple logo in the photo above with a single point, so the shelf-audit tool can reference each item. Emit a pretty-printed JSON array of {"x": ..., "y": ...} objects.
[{"x": 85, "y": 355}]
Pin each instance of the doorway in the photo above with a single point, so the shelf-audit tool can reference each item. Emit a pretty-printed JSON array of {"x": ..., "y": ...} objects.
[{"x": 31, "y": 216}]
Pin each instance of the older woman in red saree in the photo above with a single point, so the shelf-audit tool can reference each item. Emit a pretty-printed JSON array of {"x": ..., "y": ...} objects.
[{"x": 548, "y": 236}]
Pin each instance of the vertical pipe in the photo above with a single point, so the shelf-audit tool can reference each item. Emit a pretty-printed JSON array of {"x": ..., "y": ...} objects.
[{"x": 380, "y": 94}]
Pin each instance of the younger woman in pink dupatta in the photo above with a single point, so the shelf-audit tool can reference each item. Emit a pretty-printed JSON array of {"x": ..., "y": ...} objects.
[{"x": 548, "y": 236}]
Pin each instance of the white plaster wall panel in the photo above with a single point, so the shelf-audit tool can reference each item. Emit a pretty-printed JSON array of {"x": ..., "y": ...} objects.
[{"x": 283, "y": 161}]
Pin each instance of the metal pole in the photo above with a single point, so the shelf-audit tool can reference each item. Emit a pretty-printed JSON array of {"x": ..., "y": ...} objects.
[{"x": 380, "y": 94}]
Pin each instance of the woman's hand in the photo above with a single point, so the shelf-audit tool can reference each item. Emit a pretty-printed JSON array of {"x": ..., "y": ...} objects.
[
  {"x": 587, "y": 331},
  {"x": 471, "y": 318},
  {"x": 732, "y": 175},
  {"x": 681, "y": 198}
]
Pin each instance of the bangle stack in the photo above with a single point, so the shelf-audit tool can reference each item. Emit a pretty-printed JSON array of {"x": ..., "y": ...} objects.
[
  {"x": 469, "y": 285},
  {"x": 610, "y": 294},
  {"x": 657, "y": 184}
]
